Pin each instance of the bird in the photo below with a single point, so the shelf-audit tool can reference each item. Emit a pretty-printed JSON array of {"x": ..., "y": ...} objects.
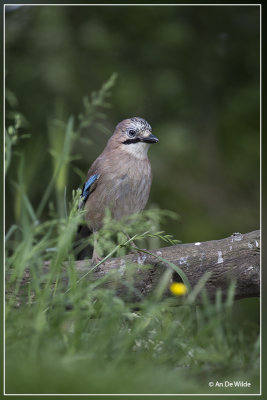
[{"x": 120, "y": 178}]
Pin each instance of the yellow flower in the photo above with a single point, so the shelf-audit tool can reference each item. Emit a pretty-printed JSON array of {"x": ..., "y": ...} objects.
[{"x": 178, "y": 289}]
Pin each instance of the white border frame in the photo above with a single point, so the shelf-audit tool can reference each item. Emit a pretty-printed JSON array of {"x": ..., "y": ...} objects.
[{"x": 260, "y": 59}]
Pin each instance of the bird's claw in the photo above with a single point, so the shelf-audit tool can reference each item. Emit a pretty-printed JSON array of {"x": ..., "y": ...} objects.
[{"x": 96, "y": 258}]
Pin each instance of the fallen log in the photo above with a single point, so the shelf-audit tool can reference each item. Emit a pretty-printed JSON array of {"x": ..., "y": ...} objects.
[{"x": 234, "y": 258}]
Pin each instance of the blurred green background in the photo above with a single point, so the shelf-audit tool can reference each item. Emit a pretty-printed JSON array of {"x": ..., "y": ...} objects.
[{"x": 191, "y": 71}]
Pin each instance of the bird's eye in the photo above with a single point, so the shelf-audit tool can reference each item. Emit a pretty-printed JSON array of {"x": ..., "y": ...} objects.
[{"x": 131, "y": 132}]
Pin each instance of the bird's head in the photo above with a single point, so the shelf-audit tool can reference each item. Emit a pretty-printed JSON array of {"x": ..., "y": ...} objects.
[{"x": 134, "y": 135}]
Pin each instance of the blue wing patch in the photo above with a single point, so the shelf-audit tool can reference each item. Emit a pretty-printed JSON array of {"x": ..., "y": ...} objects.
[{"x": 87, "y": 189}]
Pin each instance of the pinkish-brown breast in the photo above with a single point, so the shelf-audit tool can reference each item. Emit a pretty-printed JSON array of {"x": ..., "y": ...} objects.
[{"x": 123, "y": 187}]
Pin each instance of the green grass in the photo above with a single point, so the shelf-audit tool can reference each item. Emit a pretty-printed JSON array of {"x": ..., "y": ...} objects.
[
  {"x": 103, "y": 345},
  {"x": 78, "y": 336}
]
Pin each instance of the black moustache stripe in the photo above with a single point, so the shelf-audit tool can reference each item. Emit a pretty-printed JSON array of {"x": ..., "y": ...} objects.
[{"x": 130, "y": 141}]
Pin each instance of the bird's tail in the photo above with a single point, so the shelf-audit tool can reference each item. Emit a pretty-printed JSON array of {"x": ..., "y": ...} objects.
[{"x": 81, "y": 250}]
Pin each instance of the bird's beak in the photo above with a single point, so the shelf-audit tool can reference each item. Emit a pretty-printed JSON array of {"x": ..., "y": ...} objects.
[{"x": 150, "y": 139}]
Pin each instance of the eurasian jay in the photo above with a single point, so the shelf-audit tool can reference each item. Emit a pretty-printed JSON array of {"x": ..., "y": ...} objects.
[{"x": 120, "y": 178}]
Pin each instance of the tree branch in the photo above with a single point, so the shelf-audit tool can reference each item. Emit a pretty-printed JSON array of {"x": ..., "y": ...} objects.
[{"x": 236, "y": 257}]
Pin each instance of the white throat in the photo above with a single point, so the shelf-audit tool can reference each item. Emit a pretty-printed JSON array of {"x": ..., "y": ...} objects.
[{"x": 138, "y": 150}]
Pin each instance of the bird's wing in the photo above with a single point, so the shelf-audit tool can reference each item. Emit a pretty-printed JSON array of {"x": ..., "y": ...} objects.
[{"x": 88, "y": 188}]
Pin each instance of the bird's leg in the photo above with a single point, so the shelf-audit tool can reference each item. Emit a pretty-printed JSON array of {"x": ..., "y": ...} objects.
[
  {"x": 95, "y": 258},
  {"x": 132, "y": 243}
]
